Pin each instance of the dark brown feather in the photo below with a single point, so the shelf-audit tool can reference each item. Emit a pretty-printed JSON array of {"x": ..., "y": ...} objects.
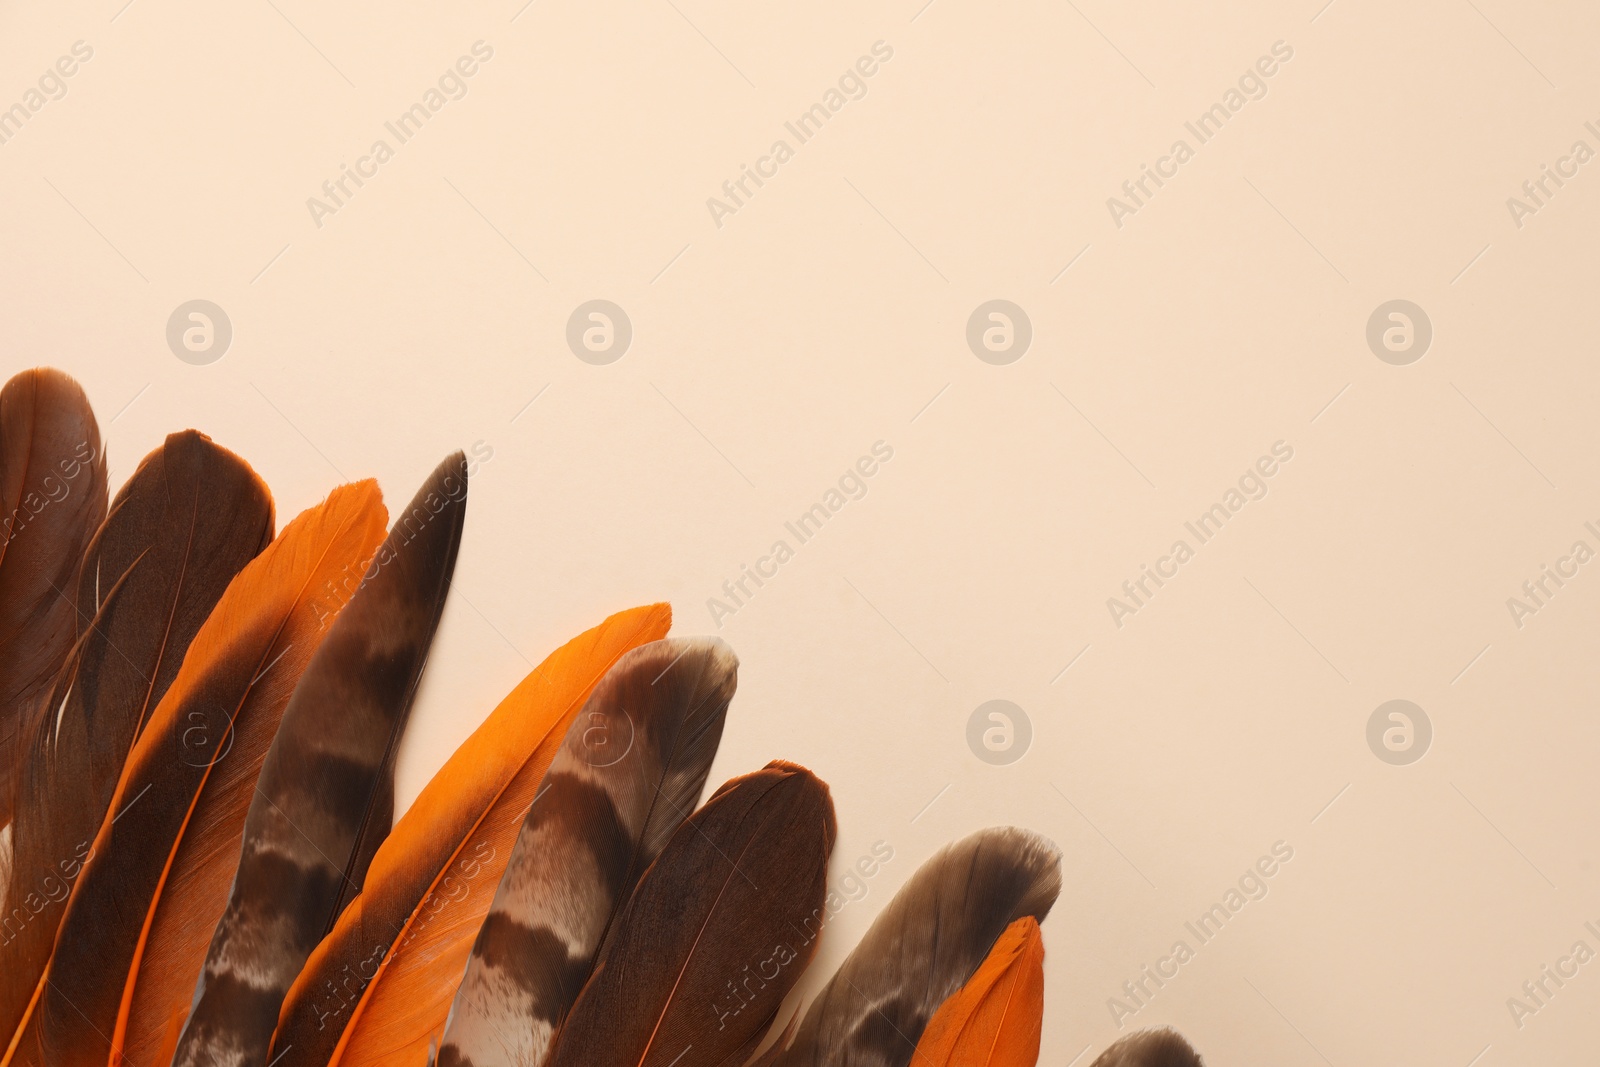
[
  {"x": 630, "y": 770},
  {"x": 1150, "y": 1048},
  {"x": 718, "y": 931},
  {"x": 189, "y": 519},
  {"x": 325, "y": 798},
  {"x": 928, "y": 942},
  {"x": 52, "y": 498}
]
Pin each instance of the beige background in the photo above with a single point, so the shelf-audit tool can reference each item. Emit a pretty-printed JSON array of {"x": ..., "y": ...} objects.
[{"x": 829, "y": 313}]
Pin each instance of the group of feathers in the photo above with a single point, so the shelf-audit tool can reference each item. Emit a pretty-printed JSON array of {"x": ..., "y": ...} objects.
[{"x": 200, "y": 865}]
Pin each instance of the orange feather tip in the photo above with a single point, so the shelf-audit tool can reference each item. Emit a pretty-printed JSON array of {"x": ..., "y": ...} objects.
[{"x": 995, "y": 1019}]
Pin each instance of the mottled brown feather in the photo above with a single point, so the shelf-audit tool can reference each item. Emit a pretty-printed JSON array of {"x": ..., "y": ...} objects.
[{"x": 325, "y": 797}]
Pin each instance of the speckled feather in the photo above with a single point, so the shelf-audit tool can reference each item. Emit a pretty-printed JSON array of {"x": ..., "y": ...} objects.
[{"x": 325, "y": 798}]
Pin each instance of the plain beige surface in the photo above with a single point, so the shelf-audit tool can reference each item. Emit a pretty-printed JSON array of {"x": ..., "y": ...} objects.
[{"x": 829, "y": 313}]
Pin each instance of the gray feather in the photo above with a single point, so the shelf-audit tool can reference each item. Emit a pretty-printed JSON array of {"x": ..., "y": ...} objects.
[{"x": 929, "y": 940}]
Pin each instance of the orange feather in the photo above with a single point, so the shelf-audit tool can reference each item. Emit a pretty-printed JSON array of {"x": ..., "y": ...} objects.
[
  {"x": 994, "y": 1020},
  {"x": 378, "y": 988}
]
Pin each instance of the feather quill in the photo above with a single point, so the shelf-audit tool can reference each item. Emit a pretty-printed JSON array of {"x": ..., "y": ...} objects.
[
  {"x": 52, "y": 498},
  {"x": 926, "y": 945},
  {"x": 165, "y": 854},
  {"x": 189, "y": 519},
  {"x": 996, "y": 1018},
  {"x": 378, "y": 989},
  {"x": 1150, "y": 1048},
  {"x": 325, "y": 798},
  {"x": 717, "y": 932},
  {"x": 629, "y": 772}
]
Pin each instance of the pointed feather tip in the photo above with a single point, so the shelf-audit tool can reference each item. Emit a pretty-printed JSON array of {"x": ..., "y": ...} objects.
[
  {"x": 452, "y": 468},
  {"x": 443, "y": 492},
  {"x": 1163, "y": 1047}
]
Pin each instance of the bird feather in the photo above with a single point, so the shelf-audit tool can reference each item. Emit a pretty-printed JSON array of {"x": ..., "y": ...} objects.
[
  {"x": 717, "y": 932},
  {"x": 52, "y": 498},
  {"x": 325, "y": 797},
  {"x": 1163, "y": 1047}
]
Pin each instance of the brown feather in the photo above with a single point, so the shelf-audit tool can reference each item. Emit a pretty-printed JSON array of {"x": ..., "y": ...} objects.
[
  {"x": 163, "y": 859},
  {"x": 52, "y": 498},
  {"x": 189, "y": 519},
  {"x": 325, "y": 798},
  {"x": 718, "y": 931}
]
